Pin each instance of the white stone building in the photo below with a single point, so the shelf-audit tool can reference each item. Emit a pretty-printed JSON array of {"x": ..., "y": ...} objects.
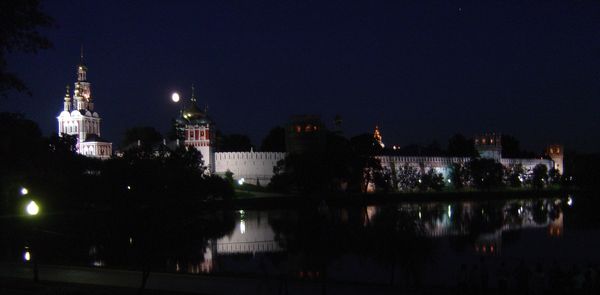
[{"x": 78, "y": 118}]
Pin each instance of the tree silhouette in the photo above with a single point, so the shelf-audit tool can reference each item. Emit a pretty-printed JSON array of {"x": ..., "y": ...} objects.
[{"x": 19, "y": 21}]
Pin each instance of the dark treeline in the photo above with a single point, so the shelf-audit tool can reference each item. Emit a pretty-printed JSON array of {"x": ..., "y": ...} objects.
[
  {"x": 351, "y": 165},
  {"x": 150, "y": 197}
]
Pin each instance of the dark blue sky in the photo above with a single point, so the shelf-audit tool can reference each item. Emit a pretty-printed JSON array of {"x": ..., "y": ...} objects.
[{"x": 421, "y": 70}]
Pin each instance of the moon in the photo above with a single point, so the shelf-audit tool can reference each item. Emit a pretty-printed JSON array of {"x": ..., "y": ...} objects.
[{"x": 175, "y": 97}]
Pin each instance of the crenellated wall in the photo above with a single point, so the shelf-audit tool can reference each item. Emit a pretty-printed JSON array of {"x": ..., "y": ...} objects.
[
  {"x": 527, "y": 164},
  {"x": 442, "y": 164},
  {"x": 254, "y": 167}
]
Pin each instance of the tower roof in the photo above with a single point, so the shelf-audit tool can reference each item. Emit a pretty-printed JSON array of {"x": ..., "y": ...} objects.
[{"x": 192, "y": 114}]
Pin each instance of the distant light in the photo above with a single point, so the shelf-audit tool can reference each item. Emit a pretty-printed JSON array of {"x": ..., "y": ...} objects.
[
  {"x": 128, "y": 187},
  {"x": 449, "y": 211},
  {"x": 242, "y": 227},
  {"x": 130, "y": 241},
  {"x": 27, "y": 255},
  {"x": 419, "y": 214},
  {"x": 241, "y": 181},
  {"x": 570, "y": 201},
  {"x": 420, "y": 181},
  {"x": 24, "y": 191},
  {"x": 449, "y": 181},
  {"x": 175, "y": 97},
  {"x": 32, "y": 208}
]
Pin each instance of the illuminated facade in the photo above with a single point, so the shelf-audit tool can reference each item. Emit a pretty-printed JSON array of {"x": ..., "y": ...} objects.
[{"x": 79, "y": 118}]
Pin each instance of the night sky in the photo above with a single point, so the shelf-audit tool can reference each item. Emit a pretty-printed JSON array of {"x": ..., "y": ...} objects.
[{"x": 420, "y": 70}]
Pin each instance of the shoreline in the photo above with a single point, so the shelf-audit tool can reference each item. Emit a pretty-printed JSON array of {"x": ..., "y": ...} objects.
[{"x": 338, "y": 199}]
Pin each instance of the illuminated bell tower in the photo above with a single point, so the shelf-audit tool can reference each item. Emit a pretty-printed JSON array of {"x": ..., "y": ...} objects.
[
  {"x": 83, "y": 92},
  {"x": 377, "y": 137},
  {"x": 79, "y": 119}
]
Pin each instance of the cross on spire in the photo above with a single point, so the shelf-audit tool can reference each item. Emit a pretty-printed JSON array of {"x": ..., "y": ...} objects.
[
  {"x": 81, "y": 56},
  {"x": 193, "y": 99}
]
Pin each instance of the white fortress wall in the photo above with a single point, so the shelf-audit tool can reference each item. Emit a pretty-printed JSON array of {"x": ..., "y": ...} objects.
[
  {"x": 440, "y": 164},
  {"x": 528, "y": 164},
  {"x": 254, "y": 167}
]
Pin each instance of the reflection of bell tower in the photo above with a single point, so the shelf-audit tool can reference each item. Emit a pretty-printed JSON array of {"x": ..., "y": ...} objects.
[{"x": 556, "y": 153}]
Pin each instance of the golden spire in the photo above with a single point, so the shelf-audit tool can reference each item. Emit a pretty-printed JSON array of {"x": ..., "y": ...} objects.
[
  {"x": 377, "y": 136},
  {"x": 67, "y": 94}
]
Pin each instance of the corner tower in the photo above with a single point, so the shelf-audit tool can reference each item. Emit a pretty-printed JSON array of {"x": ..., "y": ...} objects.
[
  {"x": 556, "y": 153},
  {"x": 489, "y": 146}
]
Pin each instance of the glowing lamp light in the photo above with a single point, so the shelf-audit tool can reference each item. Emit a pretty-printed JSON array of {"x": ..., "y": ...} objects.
[
  {"x": 27, "y": 255},
  {"x": 24, "y": 191},
  {"x": 241, "y": 181},
  {"x": 32, "y": 208},
  {"x": 570, "y": 201},
  {"x": 175, "y": 97}
]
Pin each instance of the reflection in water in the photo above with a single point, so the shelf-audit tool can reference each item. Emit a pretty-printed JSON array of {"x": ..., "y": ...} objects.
[
  {"x": 397, "y": 237},
  {"x": 388, "y": 243}
]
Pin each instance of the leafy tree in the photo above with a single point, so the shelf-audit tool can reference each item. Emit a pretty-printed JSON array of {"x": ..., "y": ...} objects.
[
  {"x": 460, "y": 146},
  {"x": 459, "y": 175},
  {"x": 147, "y": 136},
  {"x": 511, "y": 148},
  {"x": 431, "y": 180},
  {"x": 274, "y": 141},
  {"x": 554, "y": 176},
  {"x": 514, "y": 175},
  {"x": 338, "y": 165},
  {"x": 19, "y": 21},
  {"x": 540, "y": 176},
  {"x": 365, "y": 144},
  {"x": 485, "y": 173},
  {"x": 407, "y": 178}
]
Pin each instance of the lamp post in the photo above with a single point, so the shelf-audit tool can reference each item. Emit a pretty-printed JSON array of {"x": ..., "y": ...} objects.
[{"x": 33, "y": 209}]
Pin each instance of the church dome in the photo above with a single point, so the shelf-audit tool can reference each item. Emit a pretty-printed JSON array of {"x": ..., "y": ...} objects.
[{"x": 194, "y": 115}]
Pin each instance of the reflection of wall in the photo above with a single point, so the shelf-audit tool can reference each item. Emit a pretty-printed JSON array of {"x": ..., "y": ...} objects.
[{"x": 252, "y": 234}]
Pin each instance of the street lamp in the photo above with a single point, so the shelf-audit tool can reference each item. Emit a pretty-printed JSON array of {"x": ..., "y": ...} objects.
[
  {"x": 32, "y": 208},
  {"x": 24, "y": 191}
]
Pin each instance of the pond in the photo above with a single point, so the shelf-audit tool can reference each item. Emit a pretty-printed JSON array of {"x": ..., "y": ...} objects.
[{"x": 404, "y": 243}]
